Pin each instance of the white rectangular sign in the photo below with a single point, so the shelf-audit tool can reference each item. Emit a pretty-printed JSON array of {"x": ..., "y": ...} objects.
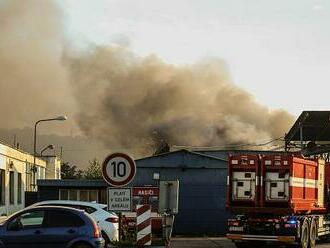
[
  {"x": 168, "y": 197},
  {"x": 119, "y": 199}
]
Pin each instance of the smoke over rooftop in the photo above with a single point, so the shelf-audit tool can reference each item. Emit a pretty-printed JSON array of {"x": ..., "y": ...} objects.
[
  {"x": 128, "y": 102},
  {"x": 33, "y": 80}
]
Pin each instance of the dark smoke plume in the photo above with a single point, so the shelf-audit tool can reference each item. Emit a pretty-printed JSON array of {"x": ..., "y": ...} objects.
[
  {"x": 129, "y": 103},
  {"x": 33, "y": 80}
]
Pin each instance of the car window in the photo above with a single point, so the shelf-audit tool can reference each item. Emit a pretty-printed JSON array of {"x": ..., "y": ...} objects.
[
  {"x": 60, "y": 218},
  {"x": 27, "y": 220},
  {"x": 87, "y": 209}
]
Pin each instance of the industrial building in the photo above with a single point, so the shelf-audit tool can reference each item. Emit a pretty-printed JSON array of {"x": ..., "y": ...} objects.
[
  {"x": 202, "y": 188},
  {"x": 19, "y": 175},
  {"x": 202, "y": 175},
  {"x": 203, "y": 184}
]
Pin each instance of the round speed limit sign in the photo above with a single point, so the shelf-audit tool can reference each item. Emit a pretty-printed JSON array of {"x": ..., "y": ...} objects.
[{"x": 118, "y": 169}]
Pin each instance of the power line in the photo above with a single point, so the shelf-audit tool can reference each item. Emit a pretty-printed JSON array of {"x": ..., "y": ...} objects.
[
  {"x": 227, "y": 146},
  {"x": 224, "y": 146}
]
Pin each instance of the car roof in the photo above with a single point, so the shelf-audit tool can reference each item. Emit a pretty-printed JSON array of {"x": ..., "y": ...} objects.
[
  {"x": 52, "y": 207},
  {"x": 82, "y": 203},
  {"x": 81, "y": 213},
  {"x": 78, "y": 211}
]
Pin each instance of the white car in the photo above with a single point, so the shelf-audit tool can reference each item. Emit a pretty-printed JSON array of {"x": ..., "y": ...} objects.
[{"x": 107, "y": 221}]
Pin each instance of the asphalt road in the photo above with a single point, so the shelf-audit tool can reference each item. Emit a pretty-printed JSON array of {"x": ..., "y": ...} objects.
[
  {"x": 214, "y": 243},
  {"x": 201, "y": 243}
]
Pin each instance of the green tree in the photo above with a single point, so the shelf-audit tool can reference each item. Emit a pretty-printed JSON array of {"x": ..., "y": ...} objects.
[
  {"x": 80, "y": 174},
  {"x": 70, "y": 171},
  {"x": 93, "y": 171}
]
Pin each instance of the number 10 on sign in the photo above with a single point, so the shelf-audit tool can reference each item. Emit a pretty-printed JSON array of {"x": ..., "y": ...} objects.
[{"x": 118, "y": 169}]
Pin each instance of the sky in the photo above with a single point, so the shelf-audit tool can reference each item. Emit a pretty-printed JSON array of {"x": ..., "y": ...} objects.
[{"x": 278, "y": 50}]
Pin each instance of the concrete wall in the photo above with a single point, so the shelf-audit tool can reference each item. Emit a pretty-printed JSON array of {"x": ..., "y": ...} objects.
[
  {"x": 53, "y": 167},
  {"x": 18, "y": 162}
]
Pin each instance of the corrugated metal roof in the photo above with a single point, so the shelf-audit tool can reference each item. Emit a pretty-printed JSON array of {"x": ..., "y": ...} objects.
[
  {"x": 180, "y": 151},
  {"x": 182, "y": 159},
  {"x": 315, "y": 127},
  {"x": 223, "y": 154}
]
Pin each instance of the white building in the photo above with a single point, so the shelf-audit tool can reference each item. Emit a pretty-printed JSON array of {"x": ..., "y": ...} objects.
[
  {"x": 53, "y": 167},
  {"x": 18, "y": 174}
]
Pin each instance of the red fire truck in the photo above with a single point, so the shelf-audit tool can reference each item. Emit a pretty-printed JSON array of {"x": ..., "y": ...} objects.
[{"x": 281, "y": 198}]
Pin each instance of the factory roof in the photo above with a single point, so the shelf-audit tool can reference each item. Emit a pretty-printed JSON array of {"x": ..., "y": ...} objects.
[{"x": 310, "y": 126}]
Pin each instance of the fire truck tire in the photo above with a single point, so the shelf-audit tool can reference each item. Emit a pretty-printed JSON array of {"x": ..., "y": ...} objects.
[
  {"x": 304, "y": 236},
  {"x": 312, "y": 234}
]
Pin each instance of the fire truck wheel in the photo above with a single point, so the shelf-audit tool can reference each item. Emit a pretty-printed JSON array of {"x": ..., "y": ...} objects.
[
  {"x": 312, "y": 234},
  {"x": 304, "y": 236}
]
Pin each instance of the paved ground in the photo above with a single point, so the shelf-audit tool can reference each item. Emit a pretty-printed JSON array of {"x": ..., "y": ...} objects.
[
  {"x": 201, "y": 243},
  {"x": 214, "y": 243}
]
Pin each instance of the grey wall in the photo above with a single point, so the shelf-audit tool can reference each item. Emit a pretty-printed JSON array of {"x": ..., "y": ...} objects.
[{"x": 48, "y": 193}]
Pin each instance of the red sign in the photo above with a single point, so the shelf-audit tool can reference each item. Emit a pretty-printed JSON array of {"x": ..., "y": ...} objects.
[{"x": 145, "y": 191}]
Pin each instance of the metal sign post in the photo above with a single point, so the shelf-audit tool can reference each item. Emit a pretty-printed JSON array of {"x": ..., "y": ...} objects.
[
  {"x": 169, "y": 197},
  {"x": 118, "y": 170},
  {"x": 168, "y": 205}
]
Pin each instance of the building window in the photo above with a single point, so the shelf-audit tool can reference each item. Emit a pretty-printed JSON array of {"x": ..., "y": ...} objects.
[
  {"x": 93, "y": 195},
  {"x": 2, "y": 188},
  {"x": 79, "y": 195},
  {"x": 103, "y": 196},
  {"x": 73, "y": 195},
  {"x": 19, "y": 188},
  {"x": 64, "y": 194},
  {"x": 11, "y": 187},
  {"x": 83, "y": 195}
]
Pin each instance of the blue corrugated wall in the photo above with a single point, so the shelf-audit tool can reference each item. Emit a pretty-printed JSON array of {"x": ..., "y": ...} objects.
[{"x": 202, "y": 197}]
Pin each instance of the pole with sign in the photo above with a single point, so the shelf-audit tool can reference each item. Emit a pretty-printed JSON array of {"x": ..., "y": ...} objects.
[{"x": 118, "y": 170}]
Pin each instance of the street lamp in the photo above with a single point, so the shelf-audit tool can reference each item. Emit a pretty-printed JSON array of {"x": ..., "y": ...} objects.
[
  {"x": 59, "y": 118},
  {"x": 50, "y": 147}
]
